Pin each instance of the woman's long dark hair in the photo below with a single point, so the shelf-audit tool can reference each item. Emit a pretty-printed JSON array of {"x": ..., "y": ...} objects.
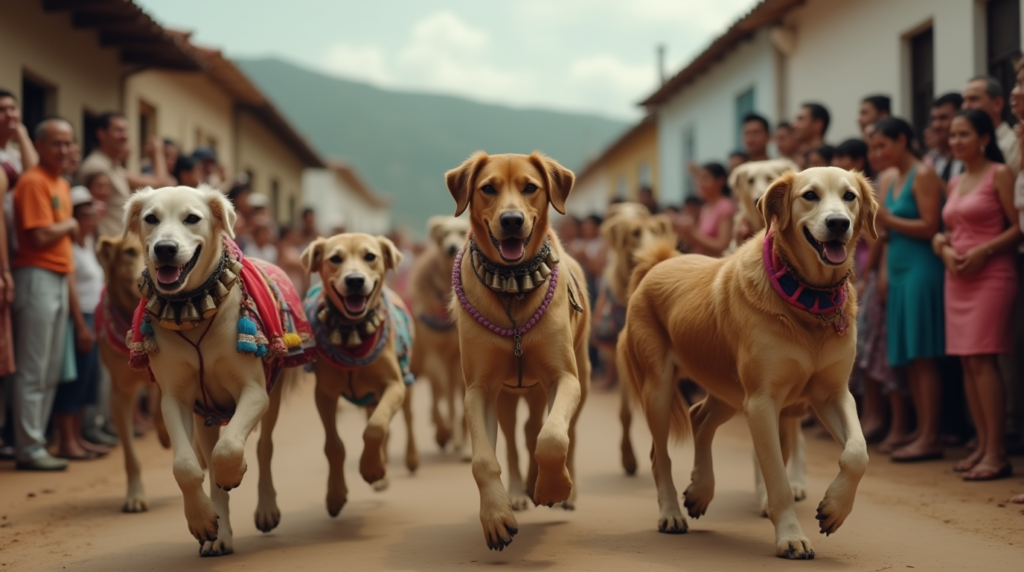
[
  {"x": 857, "y": 150},
  {"x": 717, "y": 170},
  {"x": 893, "y": 127},
  {"x": 982, "y": 124}
]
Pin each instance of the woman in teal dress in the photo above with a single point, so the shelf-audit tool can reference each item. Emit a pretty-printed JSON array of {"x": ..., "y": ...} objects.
[{"x": 915, "y": 320}]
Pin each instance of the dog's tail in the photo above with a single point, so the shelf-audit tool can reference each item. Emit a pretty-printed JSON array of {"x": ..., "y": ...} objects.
[
  {"x": 632, "y": 374},
  {"x": 650, "y": 256}
]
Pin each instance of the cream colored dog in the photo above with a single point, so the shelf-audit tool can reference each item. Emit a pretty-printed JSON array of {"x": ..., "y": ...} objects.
[
  {"x": 523, "y": 321},
  {"x": 749, "y": 182},
  {"x": 366, "y": 369},
  {"x": 771, "y": 326},
  {"x": 436, "y": 348},
  {"x": 122, "y": 264},
  {"x": 182, "y": 232}
]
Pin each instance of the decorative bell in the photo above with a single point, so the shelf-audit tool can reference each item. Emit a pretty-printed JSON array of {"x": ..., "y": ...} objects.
[
  {"x": 370, "y": 327},
  {"x": 537, "y": 279},
  {"x": 324, "y": 315},
  {"x": 221, "y": 291},
  {"x": 207, "y": 307},
  {"x": 336, "y": 338},
  {"x": 155, "y": 306},
  {"x": 169, "y": 314},
  {"x": 552, "y": 257},
  {"x": 511, "y": 285},
  {"x": 544, "y": 270},
  {"x": 496, "y": 283},
  {"x": 353, "y": 339},
  {"x": 189, "y": 313},
  {"x": 528, "y": 283},
  {"x": 227, "y": 278}
]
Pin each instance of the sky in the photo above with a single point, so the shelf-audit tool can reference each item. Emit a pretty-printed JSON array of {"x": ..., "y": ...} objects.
[{"x": 589, "y": 56}]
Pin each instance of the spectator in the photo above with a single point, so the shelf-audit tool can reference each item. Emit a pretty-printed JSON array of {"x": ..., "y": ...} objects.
[
  {"x": 986, "y": 94},
  {"x": 940, "y": 157},
  {"x": 646, "y": 198},
  {"x": 171, "y": 155},
  {"x": 872, "y": 109},
  {"x": 736, "y": 158},
  {"x": 756, "y": 136},
  {"x": 981, "y": 283},
  {"x": 188, "y": 172},
  {"x": 711, "y": 233},
  {"x": 213, "y": 171},
  {"x": 100, "y": 188},
  {"x": 810, "y": 127},
  {"x": 787, "y": 142},
  {"x": 12, "y": 130},
  {"x": 916, "y": 339},
  {"x": 73, "y": 163},
  {"x": 1015, "y": 383},
  {"x": 84, "y": 297},
  {"x": 308, "y": 233},
  {"x": 821, "y": 157},
  {"x": 43, "y": 262},
  {"x": 6, "y": 297},
  {"x": 288, "y": 258},
  {"x": 852, "y": 155},
  {"x": 262, "y": 244},
  {"x": 108, "y": 158}
]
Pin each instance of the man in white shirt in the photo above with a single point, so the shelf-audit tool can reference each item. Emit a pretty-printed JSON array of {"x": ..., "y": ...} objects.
[
  {"x": 986, "y": 93},
  {"x": 941, "y": 157}
]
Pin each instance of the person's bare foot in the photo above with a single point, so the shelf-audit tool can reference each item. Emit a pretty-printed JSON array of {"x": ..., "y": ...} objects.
[
  {"x": 894, "y": 441},
  {"x": 970, "y": 462},
  {"x": 874, "y": 429},
  {"x": 1019, "y": 499},
  {"x": 92, "y": 447},
  {"x": 72, "y": 451},
  {"x": 918, "y": 451},
  {"x": 989, "y": 469}
]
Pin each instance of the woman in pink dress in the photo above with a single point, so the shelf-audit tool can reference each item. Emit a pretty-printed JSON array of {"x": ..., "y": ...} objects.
[
  {"x": 981, "y": 283},
  {"x": 711, "y": 234}
]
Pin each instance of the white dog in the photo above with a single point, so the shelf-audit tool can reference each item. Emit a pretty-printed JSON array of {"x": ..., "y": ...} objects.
[{"x": 210, "y": 332}]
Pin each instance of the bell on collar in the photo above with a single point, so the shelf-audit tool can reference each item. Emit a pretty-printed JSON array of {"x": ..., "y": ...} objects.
[
  {"x": 145, "y": 289},
  {"x": 537, "y": 278},
  {"x": 227, "y": 278},
  {"x": 169, "y": 314},
  {"x": 496, "y": 283},
  {"x": 377, "y": 319},
  {"x": 155, "y": 306},
  {"x": 189, "y": 313},
  {"x": 370, "y": 327},
  {"x": 478, "y": 264},
  {"x": 528, "y": 283},
  {"x": 552, "y": 257},
  {"x": 236, "y": 267},
  {"x": 324, "y": 315},
  {"x": 336, "y": 338},
  {"x": 511, "y": 285},
  {"x": 221, "y": 291},
  {"x": 353, "y": 339},
  {"x": 207, "y": 307},
  {"x": 544, "y": 270}
]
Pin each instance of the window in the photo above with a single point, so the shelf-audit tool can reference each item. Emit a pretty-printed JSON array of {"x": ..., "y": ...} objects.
[
  {"x": 147, "y": 127},
  {"x": 689, "y": 156},
  {"x": 922, "y": 79},
  {"x": 744, "y": 105},
  {"x": 1003, "y": 33},
  {"x": 644, "y": 174},
  {"x": 38, "y": 100},
  {"x": 275, "y": 198}
]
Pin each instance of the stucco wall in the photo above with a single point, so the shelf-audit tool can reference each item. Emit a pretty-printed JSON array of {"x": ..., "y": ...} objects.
[
  {"x": 336, "y": 205},
  {"x": 262, "y": 153}
]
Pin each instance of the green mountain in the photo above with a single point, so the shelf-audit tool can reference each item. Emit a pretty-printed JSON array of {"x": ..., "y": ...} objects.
[{"x": 402, "y": 143}]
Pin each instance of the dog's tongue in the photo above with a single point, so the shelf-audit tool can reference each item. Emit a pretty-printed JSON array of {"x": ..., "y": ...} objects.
[
  {"x": 512, "y": 248},
  {"x": 355, "y": 304},
  {"x": 835, "y": 251},
  {"x": 168, "y": 274}
]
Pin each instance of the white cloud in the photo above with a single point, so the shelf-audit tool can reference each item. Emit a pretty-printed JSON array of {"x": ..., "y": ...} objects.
[
  {"x": 366, "y": 63},
  {"x": 609, "y": 83}
]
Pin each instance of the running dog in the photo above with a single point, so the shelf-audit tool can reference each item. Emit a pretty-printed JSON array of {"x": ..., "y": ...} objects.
[
  {"x": 768, "y": 327},
  {"x": 628, "y": 228},
  {"x": 122, "y": 266},
  {"x": 436, "y": 348},
  {"x": 364, "y": 337},
  {"x": 523, "y": 321},
  {"x": 749, "y": 182},
  {"x": 215, "y": 331}
]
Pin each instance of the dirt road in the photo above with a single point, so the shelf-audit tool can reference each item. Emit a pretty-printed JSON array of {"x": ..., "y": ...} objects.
[{"x": 906, "y": 517}]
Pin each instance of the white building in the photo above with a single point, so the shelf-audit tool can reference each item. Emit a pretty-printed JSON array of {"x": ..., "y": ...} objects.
[{"x": 342, "y": 200}]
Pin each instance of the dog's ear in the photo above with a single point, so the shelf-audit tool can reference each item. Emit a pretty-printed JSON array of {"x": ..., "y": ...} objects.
[
  {"x": 735, "y": 178},
  {"x": 461, "y": 179},
  {"x": 133, "y": 212},
  {"x": 313, "y": 256},
  {"x": 664, "y": 224},
  {"x": 611, "y": 231},
  {"x": 106, "y": 251},
  {"x": 868, "y": 206},
  {"x": 222, "y": 210},
  {"x": 557, "y": 178},
  {"x": 435, "y": 226},
  {"x": 775, "y": 202},
  {"x": 392, "y": 256}
]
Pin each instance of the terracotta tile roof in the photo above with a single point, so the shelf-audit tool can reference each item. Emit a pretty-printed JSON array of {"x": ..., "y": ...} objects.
[
  {"x": 351, "y": 179},
  {"x": 764, "y": 13}
]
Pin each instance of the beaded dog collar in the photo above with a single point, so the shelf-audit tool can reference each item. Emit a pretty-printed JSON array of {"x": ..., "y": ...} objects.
[
  {"x": 824, "y": 303},
  {"x": 178, "y": 311}
]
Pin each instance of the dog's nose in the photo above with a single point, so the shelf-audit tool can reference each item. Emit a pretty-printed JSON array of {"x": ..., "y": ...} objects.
[
  {"x": 355, "y": 282},
  {"x": 165, "y": 251},
  {"x": 837, "y": 223},
  {"x": 512, "y": 220},
  {"x": 453, "y": 250}
]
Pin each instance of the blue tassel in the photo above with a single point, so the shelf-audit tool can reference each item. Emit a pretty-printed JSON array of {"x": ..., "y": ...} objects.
[
  {"x": 246, "y": 336},
  {"x": 146, "y": 328},
  {"x": 246, "y": 326},
  {"x": 261, "y": 351}
]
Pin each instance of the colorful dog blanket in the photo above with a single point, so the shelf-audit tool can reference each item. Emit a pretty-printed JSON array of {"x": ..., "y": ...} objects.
[
  {"x": 112, "y": 325},
  {"x": 612, "y": 319}
]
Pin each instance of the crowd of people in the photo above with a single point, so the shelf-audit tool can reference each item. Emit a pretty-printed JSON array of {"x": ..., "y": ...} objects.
[{"x": 941, "y": 323}]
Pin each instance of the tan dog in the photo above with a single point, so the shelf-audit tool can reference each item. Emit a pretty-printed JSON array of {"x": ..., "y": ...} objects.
[
  {"x": 723, "y": 323},
  {"x": 122, "y": 264},
  {"x": 749, "y": 182},
  {"x": 358, "y": 323},
  {"x": 436, "y": 348},
  {"x": 182, "y": 232},
  {"x": 506, "y": 284},
  {"x": 629, "y": 228}
]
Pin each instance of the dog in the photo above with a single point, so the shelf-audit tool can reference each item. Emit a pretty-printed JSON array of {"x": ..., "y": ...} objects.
[
  {"x": 122, "y": 267},
  {"x": 769, "y": 327},
  {"x": 215, "y": 330},
  {"x": 523, "y": 320},
  {"x": 436, "y": 347},
  {"x": 748, "y": 182},
  {"x": 628, "y": 228},
  {"x": 363, "y": 333}
]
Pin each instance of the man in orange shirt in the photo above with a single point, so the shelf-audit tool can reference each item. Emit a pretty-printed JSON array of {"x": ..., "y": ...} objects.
[{"x": 45, "y": 229}]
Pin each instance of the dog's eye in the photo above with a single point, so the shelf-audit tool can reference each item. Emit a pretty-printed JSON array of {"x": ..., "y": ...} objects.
[
  {"x": 636, "y": 233},
  {"x": 811, "y": 196},
  {"x": 370, "y": 257},
  {"x": 489, "y": 190},
  {"x": 151, "y": 219},
  {"x": 192, "y": 219},
  {"x": 849, "y": 197},
  {"x": 750, "y": 181},
  {"x": 336, "y": 259},
  {"x": 131, "y": 252},
  {"x": 530, "y": 189}
]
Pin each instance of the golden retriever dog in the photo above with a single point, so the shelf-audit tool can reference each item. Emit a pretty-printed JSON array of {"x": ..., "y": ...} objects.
[
  {"x": 122, "y": 267},
  {"x": 628, "y": 228},
  {"x": 363, "y": 333},
  {"x": 436, "y": 347},
  {"x": 749, "y": 182},
  {"x": 771, "y": 326},
  {"x": 214, "y": 331},
  {"x": 523, "y": 322}
]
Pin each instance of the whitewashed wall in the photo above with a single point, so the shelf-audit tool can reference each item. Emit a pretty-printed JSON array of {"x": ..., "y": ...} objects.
[
  {"x": 589, "y": 197},
  {"x": 336, "y": 204}
]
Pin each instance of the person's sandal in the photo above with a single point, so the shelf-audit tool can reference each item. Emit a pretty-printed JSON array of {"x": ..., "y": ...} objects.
[
  {"x": 1004, "y": 472},
  {"x": 964, "y": 466}
]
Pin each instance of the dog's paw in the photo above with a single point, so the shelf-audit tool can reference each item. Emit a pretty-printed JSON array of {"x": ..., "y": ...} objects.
[
  {"x": 520, "y": 500},
  {"x": 268, "y": 516},
  {"x": 552, "y": 487},
  {"x": 831, "y": 515},
  {"x": 202, "y": 519},
  {"x": 443, "y": 434},
  {"x": 569, "y": 504},
  {"x": 381, "y": 485},
  {"x": 336, "y": 502},
  {"x": 412, "y": 460},
  {"x": 218, "y": 547},
  {"x": 793, "y": 546},
  {"x": 628, "y": 460},
  {"x": 228, "y": 465},
  {"x": 135, "y": 503},
  {"x": 499, "y": 527},
  {"x": 799, "y": 491},
  {"x": 697, "y": 497},
  {"x": 673, "y": 523}
]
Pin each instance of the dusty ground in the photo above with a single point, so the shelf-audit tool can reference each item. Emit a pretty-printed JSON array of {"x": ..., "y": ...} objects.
[{"x": 907, "y": 517}]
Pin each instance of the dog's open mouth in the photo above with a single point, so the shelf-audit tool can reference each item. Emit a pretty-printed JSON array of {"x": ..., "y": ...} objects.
[
  {"x": 831, "y": 252},
  {"x": 353, "y": 305},
  {"x": 511, "y": 248},
  {"x": 169, "y": 276}
]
